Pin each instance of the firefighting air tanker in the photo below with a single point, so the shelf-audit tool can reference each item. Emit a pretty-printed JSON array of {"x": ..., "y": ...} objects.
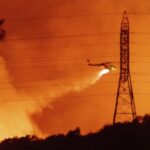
[{"x": 104, "y": 65}]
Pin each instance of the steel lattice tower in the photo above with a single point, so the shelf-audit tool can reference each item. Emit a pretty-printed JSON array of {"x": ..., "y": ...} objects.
[{"x": 125, "y": 107}]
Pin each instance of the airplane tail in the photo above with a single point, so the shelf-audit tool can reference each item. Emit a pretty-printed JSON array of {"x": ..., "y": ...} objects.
[{"x": 88, "y": 61}]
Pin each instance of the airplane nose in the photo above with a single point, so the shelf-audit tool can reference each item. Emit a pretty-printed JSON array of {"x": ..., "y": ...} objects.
[{"x": 113, "y": 68}]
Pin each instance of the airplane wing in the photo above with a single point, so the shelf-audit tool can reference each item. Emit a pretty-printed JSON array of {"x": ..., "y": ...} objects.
[{"x": 105, "y": 64}]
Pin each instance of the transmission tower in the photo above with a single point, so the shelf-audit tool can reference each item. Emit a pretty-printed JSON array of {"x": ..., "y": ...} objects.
[{"x": 125, "y": 107}]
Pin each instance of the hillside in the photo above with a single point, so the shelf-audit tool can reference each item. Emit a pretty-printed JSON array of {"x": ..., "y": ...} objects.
[{"x": 121, "y": 136}]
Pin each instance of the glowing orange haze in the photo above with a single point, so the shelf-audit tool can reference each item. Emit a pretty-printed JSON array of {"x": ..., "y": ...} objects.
[{"x": 44, "y": 82}]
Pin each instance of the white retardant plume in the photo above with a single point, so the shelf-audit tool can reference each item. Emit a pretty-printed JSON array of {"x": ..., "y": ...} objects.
[{"x": 101, "y": 73}]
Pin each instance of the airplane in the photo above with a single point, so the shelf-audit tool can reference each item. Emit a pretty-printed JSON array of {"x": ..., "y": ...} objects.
[{"x": 105, "y": 65}]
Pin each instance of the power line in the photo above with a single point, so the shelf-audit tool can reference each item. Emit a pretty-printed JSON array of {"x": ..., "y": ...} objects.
[
  {"x": 38, "y": 99},
  {"x": 93, "y": 44},
  {"x": 54, "y": 58},
  {"x": 74, "y": 36},
  {"x": 139, "y": 13},
  {"x": 83, "y": 45},
  {"x": 46, "y": 98},
  {"x": 68, "y": 57},
  {"x": 65, "y": 36},
  {"x": 65, "y": 16},
  {"x": 142, "y": 33},
  {"x": 76, "y": 16},
  {"x": 55, "y": 85},
  {"x": 57, "y": 59}
]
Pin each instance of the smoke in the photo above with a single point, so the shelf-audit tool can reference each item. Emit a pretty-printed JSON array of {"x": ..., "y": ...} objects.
[
  {"x": 16, "y": 121},
  {"x": 14, "y": 109},
  {"x": 38, "y": 73}
]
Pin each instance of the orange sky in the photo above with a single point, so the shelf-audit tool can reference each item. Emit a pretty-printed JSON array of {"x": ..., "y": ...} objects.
[{"x": 44, "y": 77}]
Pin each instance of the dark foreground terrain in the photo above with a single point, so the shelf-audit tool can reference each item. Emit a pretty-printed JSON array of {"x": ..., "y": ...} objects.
[{"x": 125, "y": 136}]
